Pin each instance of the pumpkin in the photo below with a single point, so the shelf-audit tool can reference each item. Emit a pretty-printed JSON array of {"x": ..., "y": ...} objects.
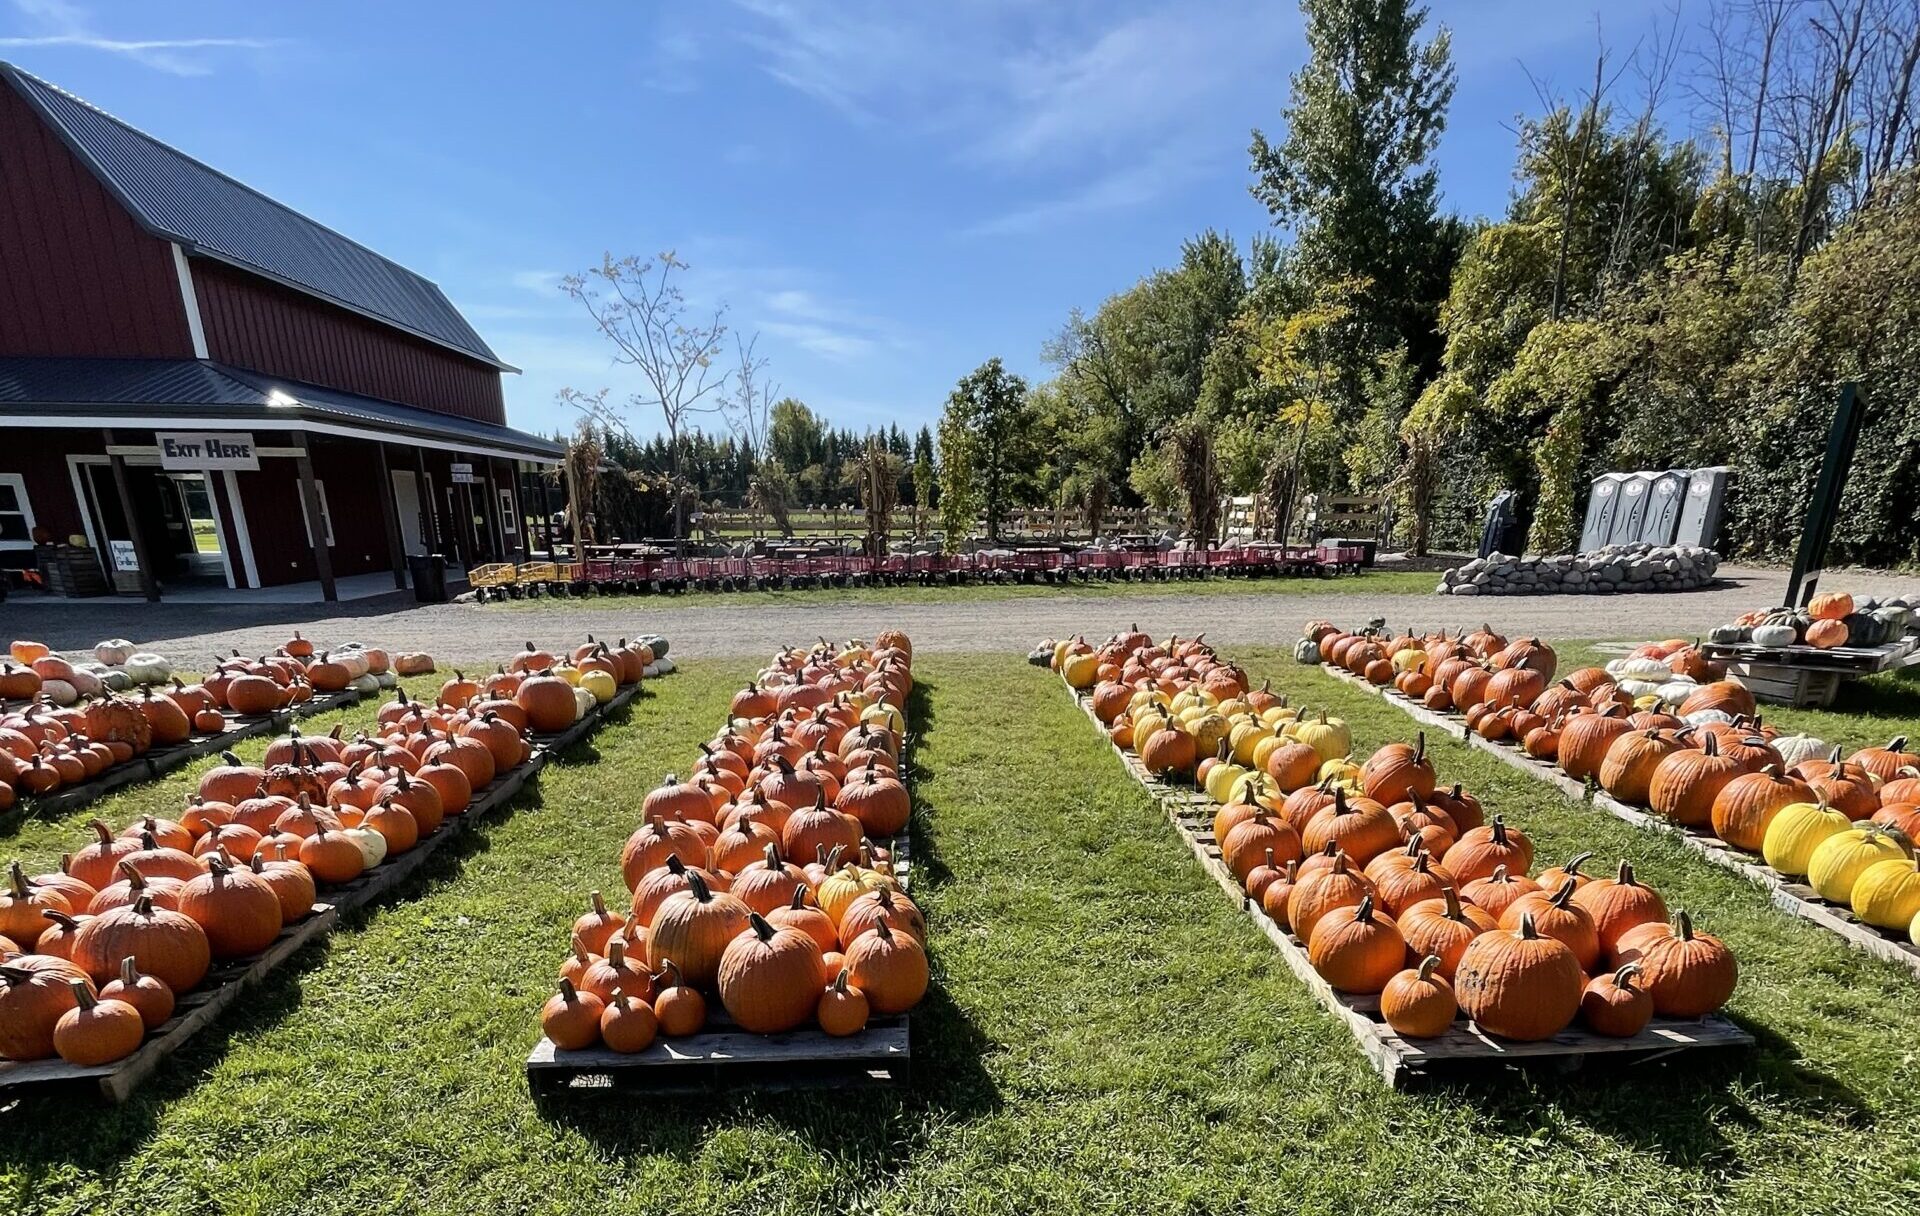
[
  {"x": 1401, "y": 886},
  {"x": 1557, "y": 916},
  {"x": 1838, "y": 861},
  {"x": 889, "y": 967},
  {"x": 331, "y": 856},
  {"x": 598, "y": 924},
  {"x": 770, "y": 978},
  {"x": 616, "y": 972},
  {"x": 655, "y": 841},
  {"x": 1686, "y": 782},
  {"x": 1443, "y": 928},
  {"x": 1830, "y": 606},
  {"x": 21, "y": 908},
  {"x": 548, "y": 701},
  {"x": 1419, "y": 1003},
  {"x": 1254, "y": 838},
  {"x": 1744, "y": 808},
  {"x": 1361, "y": 828},
  {"x": 680, "y": 1008},
  {"x": 1484, "y": 849},
  {"x": 1796, "y": 831},
  {"x": 1615, "y": 1005},
  {"x": 36, "y": 991},
  {"x": 819, "y": 826},
  {"x": 152, "y": 999},
  {"x": 1886, "y": 762},
  {"x": 1627, "y": 772},
  {"x": 168, "y": 945},
  {"x": 1494, "y": 893},
  {"x": 1886, "y": 895},
  {"x": 291, "y": 883},
  {"x": 1689, "y": 974},
  {"x": 1585, "y": 740},
  {"x": 843, "y": 1008},
  {"x": 809, "y": 919},
  {"x": 1519, "y": 984},
  {"x": 1397, "y": 772},
  {"x": 571, "y": 1019},
  {"x": 1357, "y": 951},
  {"x": 96, "y": 1031},
  {"x": 236, "y": 908},
  {"x": 1169, "y": 750},
  {"x": 692, "y": 928},
  {"x": 1322, "y": 892},
  {"x": 1618, "y": 905},
  {"x": 628, "y": 1023},
  {"x": 1826, "y": 634}
]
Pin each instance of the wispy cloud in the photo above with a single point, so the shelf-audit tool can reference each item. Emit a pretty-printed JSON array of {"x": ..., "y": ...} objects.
[
  {"x": 1071, "y": 107},
  {"x": 67, "y": 25}
]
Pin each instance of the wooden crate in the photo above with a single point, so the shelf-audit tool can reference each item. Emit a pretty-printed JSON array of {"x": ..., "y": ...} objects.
[
  {"x": 1801, "y": 687},
  {"x": 1463, "y": 1051},
  {"x": 1787, "y": 893},
  {"x": 198, "y": 1009}
]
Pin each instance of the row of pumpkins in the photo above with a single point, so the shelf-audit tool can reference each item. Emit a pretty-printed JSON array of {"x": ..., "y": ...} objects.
[
  {"x": 762, "y": 879},
  {"x": 1829, "y": 619},
  {"x": 74, "y": 723},
  {"x": 1396, "y": 884},
  {"x": 1847, "y": 823},
  {"x": 98, "y": 950}
]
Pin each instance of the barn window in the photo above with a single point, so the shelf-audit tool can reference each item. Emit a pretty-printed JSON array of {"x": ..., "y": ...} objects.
[
  {"x": 326, "y": 515},
  {"x": 16, "y": 513}
]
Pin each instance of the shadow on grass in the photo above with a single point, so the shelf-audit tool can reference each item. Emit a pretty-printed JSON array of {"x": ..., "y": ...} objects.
[
  {"x": 75, "y": 1129},
  {"x": 1893, "y": 695},
  {"x": 862, "y": 1133}
]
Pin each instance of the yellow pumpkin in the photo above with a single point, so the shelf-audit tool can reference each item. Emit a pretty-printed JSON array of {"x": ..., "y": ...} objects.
[
  {"x": 1326, "y": 735},
  {"x": 1245, "y": 737},
  {"x": 1278, "y": 715},
  {"x": 1209, "y": 730},
  {"x": 1264, "y": 749},
  {"x": 1409, "y": 660},
  {"x": 1081, "y": 670},
  {"x": 885, "y": 715},
  {"x": 1343, "y": 770},
  {"x": 1839, "y": 860},
  {"x": 600, "y": 684},
  {"x": 1255, "y": 789},
  {"x": 1796, "y": 832},
  {"x": 1887, "y": 894},
  {"x": 1221, "y": 779}
]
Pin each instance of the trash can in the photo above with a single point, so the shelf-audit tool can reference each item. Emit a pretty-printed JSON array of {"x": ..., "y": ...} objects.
[{"x": 429, "y": 574}]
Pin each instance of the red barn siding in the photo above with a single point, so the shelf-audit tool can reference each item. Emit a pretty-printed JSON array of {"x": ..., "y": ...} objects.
[
  {"x": 81, "y": 277},
  {"x": 40, "y": 457},
  {"x": 261, "y": 325}
]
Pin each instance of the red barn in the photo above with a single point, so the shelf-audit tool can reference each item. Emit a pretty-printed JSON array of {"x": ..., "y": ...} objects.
[{"x": 206, "y": 385}]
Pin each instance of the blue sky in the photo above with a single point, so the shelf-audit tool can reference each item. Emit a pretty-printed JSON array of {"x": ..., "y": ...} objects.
[{"x": 887, "y": 193}]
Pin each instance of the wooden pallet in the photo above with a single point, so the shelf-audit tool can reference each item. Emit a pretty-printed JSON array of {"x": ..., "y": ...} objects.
[
  {"x": 722, "y": 1057},
  {"x": 162, "y": 760},
  {"x": 1787, "y": 893},
  {"x": 1463, "y": 1051},
  {"x": 1844, "y": 660},
  {"x": 197, "y": 1010}
]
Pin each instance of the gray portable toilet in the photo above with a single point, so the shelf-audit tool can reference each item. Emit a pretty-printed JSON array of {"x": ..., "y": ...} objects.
[
  {"x": 1669, "y": 491},
  {"x": 1700, "y": 514},
  {"x": 1635, "y": 492},
  {"x": 1602, "y": 500}
]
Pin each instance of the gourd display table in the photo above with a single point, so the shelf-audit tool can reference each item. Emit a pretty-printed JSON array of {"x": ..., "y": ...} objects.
[{"x": 1805, "y": 676}]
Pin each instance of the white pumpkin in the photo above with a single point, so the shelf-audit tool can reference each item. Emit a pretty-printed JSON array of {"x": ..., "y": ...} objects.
[
  {"x": 1676, "y": 691},
  {"x": 364, "y": 684},
  {"x": 582, "y": 702},
  {"x": 1637, "y": 689},
  {"x": 1700, "y": 717},
  {"x": 1795, "y": 748},
  {"x": 86, "y": 682},
  {"x": 117, "y": 679},
  {"x": 1774, "y": 635},
  {"x": 145, "y": 667},
  {"x": 663, "y": 667},
  {"x": 355, "y": 661},
  {"x": 372, "y": 845},
  {"x": 59, "y": 692},
  {"x": 114, "y": 651},
  {"x": 1643, "y": 669}
]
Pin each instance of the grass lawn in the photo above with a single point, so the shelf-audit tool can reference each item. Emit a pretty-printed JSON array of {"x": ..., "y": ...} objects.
[
  {"x": 1106, "y": 1033},
  {"x": 1377, "y": 582}
]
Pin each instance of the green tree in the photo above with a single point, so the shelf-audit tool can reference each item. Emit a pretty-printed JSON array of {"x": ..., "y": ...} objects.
[
  {"x": 796, "y": 436},
  {"x": 989, "y": 407},
  {"x": 960, "y": 496},
  {"x": 1353, "y": 177},
  {"x": 923, "y": 481}
]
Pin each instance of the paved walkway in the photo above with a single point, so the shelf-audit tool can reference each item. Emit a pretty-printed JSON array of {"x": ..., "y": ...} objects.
[{"x": 721, "y": 625}]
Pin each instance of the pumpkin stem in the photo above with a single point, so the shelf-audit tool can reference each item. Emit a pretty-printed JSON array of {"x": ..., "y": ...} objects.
[
  {"x": 1573, "y": 865},
  {"x": 1683, "y": 925},
  {"x": 18, "y": 877},
  {"x": 566, "y": 990},
  {"x": 840, "y": 981},
  {"x": 1626, "y": 873},
  {"x": 1452, "y": 899},
  {"x": 1527, "y": 930},
  {"x": 1623, "y": 978},
  {"x": 1564, "y": 895},
  {"x": 698, "y": 886},
  {"x": 1428, "y": 966},
  {"x": 599, "y": 904}
]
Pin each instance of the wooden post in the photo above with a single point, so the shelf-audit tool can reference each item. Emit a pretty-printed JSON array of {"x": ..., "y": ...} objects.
[
  {"x": 149, "y": 584},
  {"x": 316, "y": 523},
  {"x": 390, "y": 512},
  {"x": 520, "y": 509},
  {"x": 422, "y": 491},
  {"x": 574, "y": 515},
  {"x": 546, "y": 509}
]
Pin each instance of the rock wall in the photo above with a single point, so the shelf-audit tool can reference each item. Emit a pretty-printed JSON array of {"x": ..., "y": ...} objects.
[{"x": 1613, "y": 570}]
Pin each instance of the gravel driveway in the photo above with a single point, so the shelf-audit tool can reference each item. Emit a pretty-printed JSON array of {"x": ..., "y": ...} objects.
[{"x": 716, "y": 625}]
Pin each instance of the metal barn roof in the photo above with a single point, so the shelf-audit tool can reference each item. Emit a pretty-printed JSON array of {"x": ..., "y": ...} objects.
[
  {"x": 81, "y": 392},
  {"x": 210, "y": 214}
]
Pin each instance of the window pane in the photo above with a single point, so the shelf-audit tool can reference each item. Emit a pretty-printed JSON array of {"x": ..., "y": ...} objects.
[
  {"x": 13, "y": 526},
  {"x": 9, "y": 497}
]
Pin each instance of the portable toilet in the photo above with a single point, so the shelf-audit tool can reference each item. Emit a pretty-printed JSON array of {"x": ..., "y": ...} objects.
[
  {"x": 1700, "y": 514},
  {"x": 1664, "y": 501},
  {"x": 1602, "y": 500},
  {"x": 1635, "y": 492}
]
